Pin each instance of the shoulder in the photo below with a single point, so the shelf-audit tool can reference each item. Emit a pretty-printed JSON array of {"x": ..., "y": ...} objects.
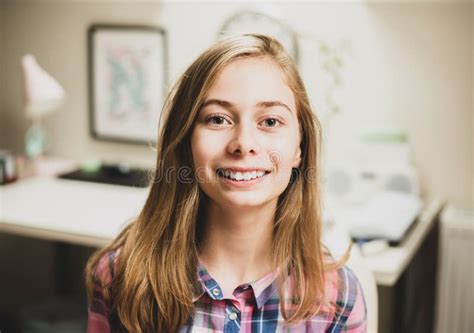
[
  {"x": 344, "y": 291},
  {"x": 103, "y": 274},
  {"x": 99, "y": 304},
  {"x": 105, "y": 269}
]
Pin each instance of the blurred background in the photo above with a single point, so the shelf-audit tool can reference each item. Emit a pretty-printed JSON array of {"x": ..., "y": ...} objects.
[{"x": 392, "y": 84}]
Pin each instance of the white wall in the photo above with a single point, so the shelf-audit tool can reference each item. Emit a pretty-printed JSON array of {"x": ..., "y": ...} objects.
[
  {"x": 56, "y": 33},
  {"x": 412, "y": 70},
  {"x": 2, "y": 76},
  {"x": 411, "y": 67}
]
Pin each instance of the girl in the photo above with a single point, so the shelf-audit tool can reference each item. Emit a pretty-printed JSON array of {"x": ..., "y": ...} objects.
[{"x": 229, "y": 239}]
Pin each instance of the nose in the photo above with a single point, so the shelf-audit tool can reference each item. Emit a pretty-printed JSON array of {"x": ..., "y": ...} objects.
[{"x": 243, "y": 141}]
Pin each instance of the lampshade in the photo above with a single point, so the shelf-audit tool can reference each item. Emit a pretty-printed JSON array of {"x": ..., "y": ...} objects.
[{"x": 43, "y": 94}]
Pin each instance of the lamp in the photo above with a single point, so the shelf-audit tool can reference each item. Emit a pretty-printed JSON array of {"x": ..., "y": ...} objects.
[{"x": 43, "y": 95}]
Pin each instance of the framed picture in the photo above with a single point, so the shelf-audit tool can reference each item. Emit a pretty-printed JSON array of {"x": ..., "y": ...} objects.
[{"x": 127, "y": 81}]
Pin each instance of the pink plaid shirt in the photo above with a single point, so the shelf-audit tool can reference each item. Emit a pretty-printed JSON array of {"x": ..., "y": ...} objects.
[{"x": 253, "y": 308}]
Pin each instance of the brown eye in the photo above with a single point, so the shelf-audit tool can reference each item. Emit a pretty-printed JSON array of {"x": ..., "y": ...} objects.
[
  {"x": 216, "y": 120},
  {"x": 271, "y": 122}
]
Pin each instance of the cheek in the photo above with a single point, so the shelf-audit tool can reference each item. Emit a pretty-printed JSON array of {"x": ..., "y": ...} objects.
[
  {"x": 283, "y": 153},
  {"x": 204, "y": 149},
  {"x": 197, "y": 151}
]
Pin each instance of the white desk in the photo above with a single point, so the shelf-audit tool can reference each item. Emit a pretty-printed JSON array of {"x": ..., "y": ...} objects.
[
  {"x": 93, "y": 214},
  {"x": 389, "y": 265},
  {"x": 66, "y": 210}
]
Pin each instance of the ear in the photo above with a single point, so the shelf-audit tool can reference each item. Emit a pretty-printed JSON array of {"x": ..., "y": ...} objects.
[{"x": 297, "y": 158}]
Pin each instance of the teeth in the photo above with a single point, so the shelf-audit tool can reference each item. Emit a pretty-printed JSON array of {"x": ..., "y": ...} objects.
[{"x": 243, "y": 175}]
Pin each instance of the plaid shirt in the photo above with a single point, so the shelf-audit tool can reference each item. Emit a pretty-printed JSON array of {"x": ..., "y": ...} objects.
[{"x": 253, "y": 308}]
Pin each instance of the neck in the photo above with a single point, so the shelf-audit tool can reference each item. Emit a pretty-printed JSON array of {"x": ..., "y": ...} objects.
[{"x": 236, "y": 243}]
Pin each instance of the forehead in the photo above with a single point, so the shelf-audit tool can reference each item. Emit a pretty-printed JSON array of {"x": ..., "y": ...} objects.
[{"x": 251, "y": 80}]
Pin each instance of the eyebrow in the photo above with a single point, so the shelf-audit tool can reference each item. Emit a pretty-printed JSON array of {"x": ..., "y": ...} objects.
[{"x": 229, "y": 105}]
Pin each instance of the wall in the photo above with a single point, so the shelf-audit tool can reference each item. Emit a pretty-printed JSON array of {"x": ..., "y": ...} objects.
[
  {"x": 2, "y": 77},
  {"x": 411, "y": 67},
  {"x": 415, "y": 67},
  {"x": 56, "y": 33}
]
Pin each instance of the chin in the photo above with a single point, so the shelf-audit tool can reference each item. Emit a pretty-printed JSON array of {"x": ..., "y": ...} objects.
[{"x": 248, "y": 202}]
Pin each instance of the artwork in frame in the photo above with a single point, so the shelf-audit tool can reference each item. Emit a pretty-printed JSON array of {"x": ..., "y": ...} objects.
[{"x": 127, "y": 81}]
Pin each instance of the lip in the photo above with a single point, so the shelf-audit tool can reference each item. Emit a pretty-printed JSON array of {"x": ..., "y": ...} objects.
[{"x": 236, "y": 169}]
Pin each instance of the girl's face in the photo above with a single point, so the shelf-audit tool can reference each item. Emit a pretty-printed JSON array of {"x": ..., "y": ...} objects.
[{"x": 246, "y": 138}]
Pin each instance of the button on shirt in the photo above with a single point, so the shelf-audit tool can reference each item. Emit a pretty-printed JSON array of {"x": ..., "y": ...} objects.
[{"x": 254, "y": 307}]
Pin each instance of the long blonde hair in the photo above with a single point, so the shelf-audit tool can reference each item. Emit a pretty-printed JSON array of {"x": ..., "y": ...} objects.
[{"x": 155, "y": 272}]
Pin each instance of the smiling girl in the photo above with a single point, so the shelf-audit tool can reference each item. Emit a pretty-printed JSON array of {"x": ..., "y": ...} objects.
[{"x": 229, "y": 239}]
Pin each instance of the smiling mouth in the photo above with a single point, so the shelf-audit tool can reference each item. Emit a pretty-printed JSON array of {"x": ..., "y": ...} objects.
[{"x": 241, "y": 176}]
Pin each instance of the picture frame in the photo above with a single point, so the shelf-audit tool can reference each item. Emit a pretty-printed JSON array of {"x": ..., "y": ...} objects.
[{"x": 127, "y": 81}]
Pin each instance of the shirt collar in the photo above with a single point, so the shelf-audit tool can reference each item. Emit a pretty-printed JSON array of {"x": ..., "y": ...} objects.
[{"x": 263, "y": 288}]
